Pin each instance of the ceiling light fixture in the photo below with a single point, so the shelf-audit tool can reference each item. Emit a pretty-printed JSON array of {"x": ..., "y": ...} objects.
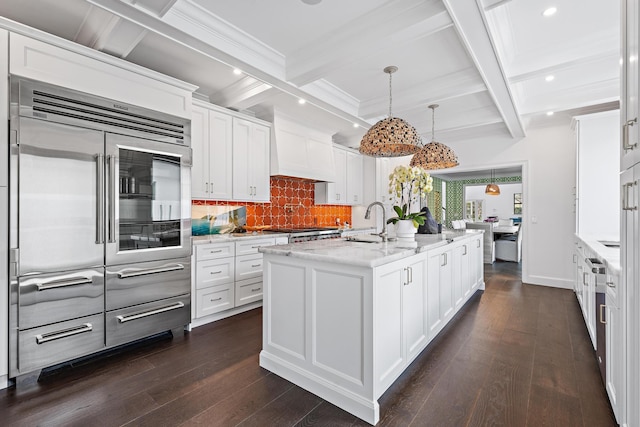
[
  {"x": 549, "y": 113},
  {"x": 302, "y": 101},
  {"x": 549, "y": 78},
  {"x": 492, "y": 189},
  {"x": 237, "y": 71},
  {"x": 390, "y": 137},
  {"x": 549, "y": 11},
  {"x": 434, "y": 155},
  {"x": 355, "y": 125}
]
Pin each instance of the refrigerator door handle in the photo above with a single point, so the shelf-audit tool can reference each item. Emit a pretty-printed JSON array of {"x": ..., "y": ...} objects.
[
  {"x": 111, "y": 164},
  {"x": 100, "y": 199}
]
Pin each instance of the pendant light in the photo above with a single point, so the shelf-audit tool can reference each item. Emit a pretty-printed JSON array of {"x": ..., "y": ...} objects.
[
  {"x": 434, "y": 155},
  {"x": 492, "y": 189},
  {"x": 390, "y": 137}
]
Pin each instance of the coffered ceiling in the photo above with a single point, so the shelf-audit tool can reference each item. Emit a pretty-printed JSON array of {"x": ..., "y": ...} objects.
[{"x": 485, "y": 62}]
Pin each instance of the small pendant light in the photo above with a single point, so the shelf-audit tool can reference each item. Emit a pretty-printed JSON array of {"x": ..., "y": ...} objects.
[
  {"x": 492, "y": 189},
  {"x": 434, "y": 155},
  {"x": 390, "y": 137}
]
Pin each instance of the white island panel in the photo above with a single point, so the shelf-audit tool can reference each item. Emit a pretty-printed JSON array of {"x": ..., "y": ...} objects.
[
  {"x": 388, "y": 321},
  {"x": 286, "y": 296},
  {"x": 338, "y": 322}
]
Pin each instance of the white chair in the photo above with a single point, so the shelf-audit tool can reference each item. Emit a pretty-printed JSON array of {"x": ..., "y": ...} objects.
[{"x": 509, "y": 247}]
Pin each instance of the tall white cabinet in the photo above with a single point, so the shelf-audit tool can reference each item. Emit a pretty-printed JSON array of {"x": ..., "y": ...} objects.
[
  {"x": 251, "y": 153},
  {"x": 348, "y": 186},
  {"x": 630, "y": 229}
]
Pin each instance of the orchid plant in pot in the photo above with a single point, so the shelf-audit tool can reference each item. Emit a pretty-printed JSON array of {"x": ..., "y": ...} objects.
[{"x": 406, "y": 186}]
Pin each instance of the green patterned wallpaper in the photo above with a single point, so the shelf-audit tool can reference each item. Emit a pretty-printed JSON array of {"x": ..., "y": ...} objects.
[
  {"x": 431, "y": 199},
  {"x": 455, "y": 194}
]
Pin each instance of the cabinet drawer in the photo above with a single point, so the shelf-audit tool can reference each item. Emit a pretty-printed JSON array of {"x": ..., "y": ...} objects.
[
  {"x": 214, "y": 272},
  {"x": 248, "y": 266},
  {"x": 248, "y": 291},
  {"x": 214, "y": 299},
  {"x": 214, "y": 251},
  {"x": 251, "y": 246},
  {"x": 51, "y": 344},
  {"x": 139, "y": 321}
]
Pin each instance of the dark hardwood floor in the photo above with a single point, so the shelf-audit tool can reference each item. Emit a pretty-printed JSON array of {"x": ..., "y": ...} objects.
[{"x": 515, "y": 355}]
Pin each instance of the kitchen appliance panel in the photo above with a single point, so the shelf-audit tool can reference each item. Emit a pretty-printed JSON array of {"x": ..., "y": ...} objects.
[
  {"x": 139, "y": 283},
  {"x": 146, "y": 197},
  {"x": 50, "y": 298},
  {"x": 59, "y": 184},
  {"x": 131, "y": 323},
  {"x": 59, "y": 342}
]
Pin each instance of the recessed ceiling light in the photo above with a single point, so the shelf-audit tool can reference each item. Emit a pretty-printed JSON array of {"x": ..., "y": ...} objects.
[
  {"x": 549, "y": 113},
  {"x": 550, "y": 11},
  {"x": 302, "y": 101},
  {"x": 355, "y": 125},
  {"x": 549, "y": 78},
  {"x": 237, "y": 71},
  {"x": 311, "y": 2}
]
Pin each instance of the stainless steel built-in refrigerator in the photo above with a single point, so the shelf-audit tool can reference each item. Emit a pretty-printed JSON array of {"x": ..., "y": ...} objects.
[{"x": 100, "y": 224}]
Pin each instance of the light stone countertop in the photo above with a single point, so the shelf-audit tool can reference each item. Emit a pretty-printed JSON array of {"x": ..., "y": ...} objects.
[
  {"x": 364, "y": 254},
  {"x": 231, "y": 237},
  {"x": 609, "y": 256}
]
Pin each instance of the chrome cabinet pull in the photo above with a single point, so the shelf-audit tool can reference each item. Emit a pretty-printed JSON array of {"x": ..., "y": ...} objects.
[
  {"x": 51, "y": 336},
  {"x": 625, "y": 196},
  {"x": 124, "y": 319},
  {"x": 63, "y": 283},
  {"x": 602, "y": 319},
  {"x": 444, "y": 257},
  {"x": 206, "y": 187},
  {"x": 255, "y": 265},
  {"x": 410, "y": 270},
  {"x": 99, "y": 199},
  {"x": 211, "y": 184},
  {"x": 465, "y": 249},
  {"x": 256, "y": 289},
  {"x": 625, "y": 135},
  {"x": 216, "y": 272},
  {"x": 215, "y": 252},
  {"x": 216, "y": 299},
  {"x": 125, "y": 275},
  {"x": 584, "y": 275},
  {"x": 611, "y": 284},
  {"x": 478, "y": 243}
]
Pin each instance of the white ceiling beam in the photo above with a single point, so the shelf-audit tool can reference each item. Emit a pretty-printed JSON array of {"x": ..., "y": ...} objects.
[
  {"x": 462, "y": 83},
  {"x": 156, "y": 7},
  {"x": 600, "y": 92},
  {"x": 404, "y": 21},
  {"x": 469, "y": 22},
  {"x": 612, "y": 56},
  {"x": 237, "y": 93}
]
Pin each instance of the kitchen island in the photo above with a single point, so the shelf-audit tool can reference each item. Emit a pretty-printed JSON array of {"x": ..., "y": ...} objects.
[{"x": 343, "y": 319}]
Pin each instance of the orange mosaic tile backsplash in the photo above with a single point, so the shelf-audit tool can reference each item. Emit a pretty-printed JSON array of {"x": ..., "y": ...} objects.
[{"x": 292, "y": 205}]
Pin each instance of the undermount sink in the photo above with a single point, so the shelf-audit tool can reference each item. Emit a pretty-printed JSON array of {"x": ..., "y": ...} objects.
[
  {"x": 610, "y": 243},
  {"x": 365, "y": 238}
]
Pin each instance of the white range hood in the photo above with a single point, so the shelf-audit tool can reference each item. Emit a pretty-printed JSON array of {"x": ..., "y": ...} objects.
[{"x": 299, "y": 151}]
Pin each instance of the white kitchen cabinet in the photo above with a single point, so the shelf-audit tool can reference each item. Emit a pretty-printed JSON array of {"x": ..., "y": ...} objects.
[
  {"x": 4, "y": 203},
  {"x": 249, "y": 265},
  {"x": 251, "y": 154},
  {"x": 211, "y": 142},
  {"x": 461, "y": 283},
  {"x": 615, "y": 346},
  {"x": 334, "y": 193},
  {"x": 630, "y": 128},
  {"x": 80, "y": 68},
  {"x": 476, "y": 262},
  {"x": 401, "y": 318},
  {"x": 214, "y": 278},
  {"x": 439, "y": 289},
  {"x": 630, "y": 260},
  {"x": 355, "y": 176},
  {"x": 348, "y": 187}
]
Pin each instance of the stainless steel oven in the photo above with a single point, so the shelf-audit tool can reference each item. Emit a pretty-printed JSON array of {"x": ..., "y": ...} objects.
[{"x": 99, "y": 222}]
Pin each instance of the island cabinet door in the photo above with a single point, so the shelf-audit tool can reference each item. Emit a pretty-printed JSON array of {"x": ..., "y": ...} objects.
[
  {"x": 414, "y": 309},
  {"x": 439, "y": 290}
]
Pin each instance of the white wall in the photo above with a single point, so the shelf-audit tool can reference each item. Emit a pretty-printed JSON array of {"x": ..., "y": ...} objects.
[
  {"x": 501, "y": 205},
  {"x": 548, "y": 157}
]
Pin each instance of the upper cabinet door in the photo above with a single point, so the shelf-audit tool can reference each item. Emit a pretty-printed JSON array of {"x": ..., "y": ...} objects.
[
  {"x": 200, "y": 147},
  {"x": 220, "y": 146},
  {"x": 355, "y": 183},
  {"x": 251, "y": 151},
  {"x": 630, "y": 134}
]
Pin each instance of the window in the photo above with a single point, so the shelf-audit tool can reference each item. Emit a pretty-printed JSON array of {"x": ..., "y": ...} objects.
[{"x": 517, "y": 203}]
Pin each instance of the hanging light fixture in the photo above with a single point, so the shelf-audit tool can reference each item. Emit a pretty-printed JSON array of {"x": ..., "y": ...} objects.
[
  {"x": 390, "y": 137},
  {"x": 492, "y": 189},
  {"x": 434, "y": 155}
]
